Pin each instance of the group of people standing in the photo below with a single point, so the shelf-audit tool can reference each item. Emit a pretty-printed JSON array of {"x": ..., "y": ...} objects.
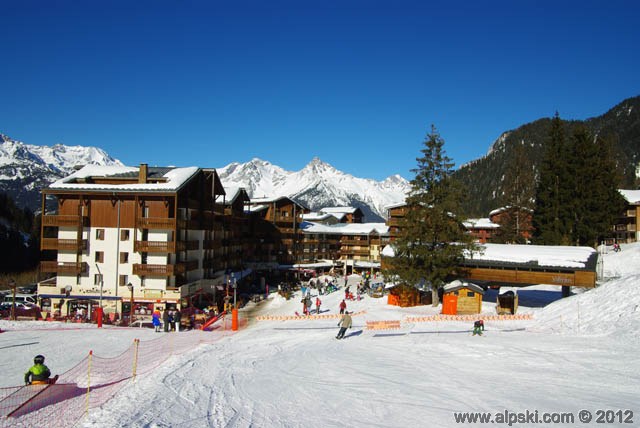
[{"x": 170, "y": 319}]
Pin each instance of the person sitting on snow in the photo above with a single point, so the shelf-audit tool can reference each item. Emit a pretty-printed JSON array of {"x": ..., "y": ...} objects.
[
  {"x": 38, "y": 373},
  {"x": 478, "y": 327}
]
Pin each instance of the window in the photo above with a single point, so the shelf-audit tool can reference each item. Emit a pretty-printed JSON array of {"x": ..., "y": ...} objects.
[
  {"x": 124, "y": 235},
  {"x": 471, "y": 293},
  {"x": 123, "y": 280},
  {"x": 284, "y": 213},
  {"x": 99, "y": 256},
  {"x": 124, "y": 257},
  {"x": 100, "y": 234},
  {"x": 97, "y": 279}
]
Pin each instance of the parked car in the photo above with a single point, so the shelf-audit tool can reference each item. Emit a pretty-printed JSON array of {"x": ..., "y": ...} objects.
[{"x": 22, "y": 298}]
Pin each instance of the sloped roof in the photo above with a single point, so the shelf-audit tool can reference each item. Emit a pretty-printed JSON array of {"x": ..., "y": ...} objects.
[
  {"x": 480, "y": 223},
  {"x": 632, "y": 196},
  {"x": 458, "y": 284},
  {"x": 345, "y": 228},
  {"x": 173, "y": 179}
]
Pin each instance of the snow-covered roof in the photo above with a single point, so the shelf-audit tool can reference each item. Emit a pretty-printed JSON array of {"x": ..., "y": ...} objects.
[
  {"x": 458, "y": 284},
  {"x": 345, "y": 228},
  {"x": 232, "y": 193},
  {"x": 388, "y": 251},
  {"x": 316, "y": 216},
  {"x": 555, "y": 256},
  {"x": 480, "y": 223},
  {"x": 541, "y": 255},
  {"x": 503, "y": 209},
  {"x": 632, "y": 196},
  {"x": 392, "y": 206},
  {"x": 270, "y": 200},
  {"x": 338, "y": 210},
  {"x": 173, "y": 179}
]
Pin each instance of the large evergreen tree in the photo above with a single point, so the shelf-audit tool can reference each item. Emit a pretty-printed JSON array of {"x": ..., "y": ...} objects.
[
  {"x": 596, "y": 202},
  {"x": 431, "y": 241},
  {"x": 518, "y": 192},
  {"x": 555, "y": 185}
]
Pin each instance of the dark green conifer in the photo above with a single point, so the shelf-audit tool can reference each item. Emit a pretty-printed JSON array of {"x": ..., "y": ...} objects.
[{"x": 431, "y": 242}]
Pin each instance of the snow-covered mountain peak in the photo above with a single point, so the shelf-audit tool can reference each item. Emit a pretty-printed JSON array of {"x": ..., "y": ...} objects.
[
  {"x": 25, "y": 169},
  {"x": 317, "y": 185}
]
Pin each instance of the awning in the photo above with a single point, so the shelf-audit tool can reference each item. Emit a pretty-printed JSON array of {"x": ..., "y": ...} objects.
[{"x": 77, "y": 297}]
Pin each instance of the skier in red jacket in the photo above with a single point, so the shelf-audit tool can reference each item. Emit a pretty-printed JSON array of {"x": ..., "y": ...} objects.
[
  {"x": 343, "y": 306},
  {"x": 318, "y": 303}
]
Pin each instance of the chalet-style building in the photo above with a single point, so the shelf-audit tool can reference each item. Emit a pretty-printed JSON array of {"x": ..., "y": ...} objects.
[
  {"x": 349, "y": 246},
  {"x": 276, "y": 232},
  {"x": 334, "y": 215},
  {"x": 482, "y": 229},
  {"x": 627, "y": 228},
  {"x": 123, "y": 234},
  {"x": 395, "y": 214}
]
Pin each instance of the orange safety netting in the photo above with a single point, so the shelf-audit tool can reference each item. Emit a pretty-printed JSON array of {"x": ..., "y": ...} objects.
[{"x": 92, "y": 382}]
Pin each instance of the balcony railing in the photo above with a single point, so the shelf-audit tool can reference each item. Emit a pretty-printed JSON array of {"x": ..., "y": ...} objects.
[
  {"x": 164, "y": 246},
  {"x": 64, "y": 267},
  {"x": 153, "y": 270},
  {"x": 63, "y": 220},
  {"x": 63, "y": 244},
  {"x": 154, "y": 247},
  {"x": 212, "y": 244},
  {"x": 156, "y": 223}
]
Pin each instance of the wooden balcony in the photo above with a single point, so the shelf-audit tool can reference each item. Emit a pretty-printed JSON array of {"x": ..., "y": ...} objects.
[
  {"x": 154, "y": 247},
  {"x": 153, "y": 270},
  {"x": 64, "y": 267},
  {"x": 63, "y": 221},
  {"x": 354, "y": 242},
  {"x": 212, "y": 244},
  {"x": 63, "y": 244},
  {"x": 189, "y": 245},
  {"x": 155, "y": 223}
]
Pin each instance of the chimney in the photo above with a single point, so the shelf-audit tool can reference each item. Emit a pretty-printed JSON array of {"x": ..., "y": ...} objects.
[{"x": 144, "y": 170}]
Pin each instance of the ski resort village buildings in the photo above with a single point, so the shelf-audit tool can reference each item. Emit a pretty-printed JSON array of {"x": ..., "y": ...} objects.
[{"x": 143, "y": 237}]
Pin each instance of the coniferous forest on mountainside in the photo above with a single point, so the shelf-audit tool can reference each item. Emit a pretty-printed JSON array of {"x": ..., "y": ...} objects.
[{"x": 485, "y": 180}]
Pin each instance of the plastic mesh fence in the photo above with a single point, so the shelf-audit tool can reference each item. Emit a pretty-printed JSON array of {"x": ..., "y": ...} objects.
[{"x": 92, "y": 382}]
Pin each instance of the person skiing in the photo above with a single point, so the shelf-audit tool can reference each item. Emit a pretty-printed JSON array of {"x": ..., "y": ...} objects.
[
  {"x": 344, "y": 324},
  {"x": 38, "y": 373},
  {"x": 343, "y": 306},
  {"x": 318, "y": 303}
]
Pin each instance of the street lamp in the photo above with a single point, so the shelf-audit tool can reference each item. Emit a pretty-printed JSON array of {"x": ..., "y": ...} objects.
[
  {"x": 235, "y": 286},
  {"x": 12, "y": 285},
  {"x": 130, "y": 287}
]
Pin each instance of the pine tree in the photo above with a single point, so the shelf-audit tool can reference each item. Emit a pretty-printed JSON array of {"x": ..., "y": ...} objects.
[
  {"x": 552, "y": 218},
  {"x": 431, "y": 241},
  {"x": 518, "y": 191},
  {"x": 596, "y": 202}
]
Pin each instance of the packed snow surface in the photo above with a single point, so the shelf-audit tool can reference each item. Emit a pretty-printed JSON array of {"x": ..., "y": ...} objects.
[{"x": 575, "y": 353}]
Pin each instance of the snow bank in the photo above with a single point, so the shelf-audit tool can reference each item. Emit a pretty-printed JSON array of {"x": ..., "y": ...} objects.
[{"x": 611, "y": 309}]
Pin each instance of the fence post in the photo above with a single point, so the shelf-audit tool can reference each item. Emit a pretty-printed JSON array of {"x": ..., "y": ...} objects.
[
  {"x": 89, "y": 381},
  {"x": 136, "y": 343}
]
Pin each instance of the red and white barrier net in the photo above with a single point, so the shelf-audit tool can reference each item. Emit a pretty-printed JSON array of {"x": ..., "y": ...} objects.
[{"x": 91, "y": 383}]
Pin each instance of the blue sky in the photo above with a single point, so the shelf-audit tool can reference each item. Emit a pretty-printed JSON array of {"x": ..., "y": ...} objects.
[{"x": 355, "y": 83}]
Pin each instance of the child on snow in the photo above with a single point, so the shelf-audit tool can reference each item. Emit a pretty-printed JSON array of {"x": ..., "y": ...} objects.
[{"x": 478, "y": 327}]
